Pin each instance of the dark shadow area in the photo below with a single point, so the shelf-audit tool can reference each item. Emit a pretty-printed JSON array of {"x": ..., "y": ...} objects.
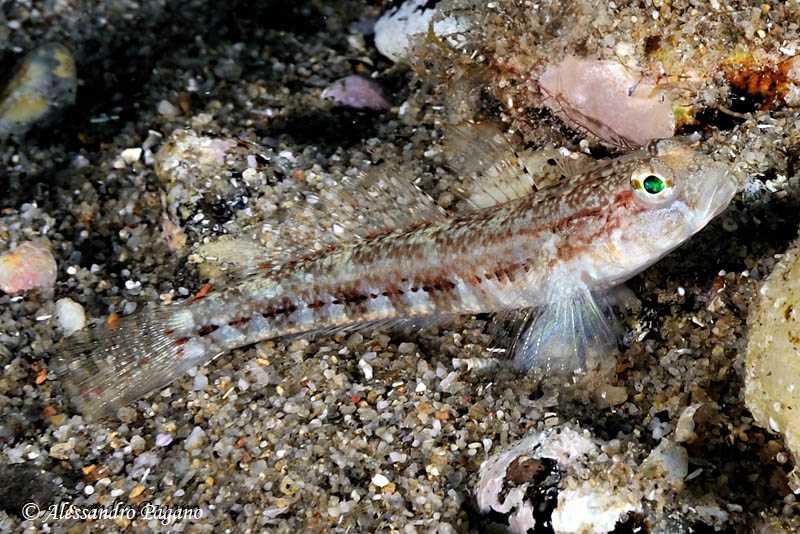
[{"x": 337, "y": 127}]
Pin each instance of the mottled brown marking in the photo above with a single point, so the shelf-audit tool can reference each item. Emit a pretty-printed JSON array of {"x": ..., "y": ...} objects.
[
  {"x": 285, "y": 307},
  {"x": 207, "y": 329},
  {"x": 560, "y": 225},
  {"x": 523, "y": 470}
]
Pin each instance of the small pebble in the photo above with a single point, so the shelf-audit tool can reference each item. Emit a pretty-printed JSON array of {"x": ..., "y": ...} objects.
[
  {"x": 71, "y": 316},
  {"x": 366, "y": 369},
  {"x": 406, "y": 348},
  {"x": 195, "y": 439},
  {"x": 137, "y": 443},
  {"x": 258, "y": 467},
  {"x": 380, "y": 480},
  {"x": 166, "y": 109},
  {"x": 200, "y": 382},
  {"x": 131, "y": 155}
]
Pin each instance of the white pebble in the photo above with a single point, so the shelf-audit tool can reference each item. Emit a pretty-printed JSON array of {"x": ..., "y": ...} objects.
[
  {"x": 366, "y": 369},
  {"x": 162, "y": 440},
  {"x": 131, "y": 155},
  {"x": 195, "y": 439},
  {"x": 380, "y": 480},
  {"x": 200, "y": 382},
  {"x": 168, "y": 110},
  {"x": 70, "y": 314}
]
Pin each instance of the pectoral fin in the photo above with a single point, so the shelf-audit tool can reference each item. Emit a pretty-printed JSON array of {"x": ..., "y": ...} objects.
[{"x": 571, "y": 335}]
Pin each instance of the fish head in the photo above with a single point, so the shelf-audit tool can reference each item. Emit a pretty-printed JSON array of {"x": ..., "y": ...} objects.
[{"x": 664, "y": 195}]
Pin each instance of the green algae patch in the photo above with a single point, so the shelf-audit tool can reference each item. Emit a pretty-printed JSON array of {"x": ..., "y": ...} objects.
[{"x": 772, "y": 380}]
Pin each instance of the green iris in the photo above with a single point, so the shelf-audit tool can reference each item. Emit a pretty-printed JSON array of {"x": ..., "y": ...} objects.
[{"x": 653, "y": 184}]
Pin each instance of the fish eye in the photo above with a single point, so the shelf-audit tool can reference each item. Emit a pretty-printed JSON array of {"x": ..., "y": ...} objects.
[{"x": 653, "y": 185}]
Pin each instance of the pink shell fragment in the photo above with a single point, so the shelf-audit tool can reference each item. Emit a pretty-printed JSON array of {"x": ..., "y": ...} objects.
[
  {"x": 607, "y": 100},
  {"x": 357, "y": 92},
  {"x": 30, "y": 266}
]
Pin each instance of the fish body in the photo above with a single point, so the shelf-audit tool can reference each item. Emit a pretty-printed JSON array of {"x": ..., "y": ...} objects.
[{"x": 551, "y": 252}]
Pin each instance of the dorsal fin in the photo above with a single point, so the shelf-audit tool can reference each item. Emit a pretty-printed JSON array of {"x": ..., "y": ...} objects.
[
  {"x": 381, "y": 197},
  {"x": 490, "y": 170},
  {"x": 371, "y": 201}
]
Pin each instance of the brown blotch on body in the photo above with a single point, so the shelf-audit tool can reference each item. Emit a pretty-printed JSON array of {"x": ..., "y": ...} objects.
[
  {"x": 237, "y": 322},
  {"x": 207, "y": 329}
]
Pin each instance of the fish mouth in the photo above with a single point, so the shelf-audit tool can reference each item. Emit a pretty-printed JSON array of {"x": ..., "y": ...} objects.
[{"x": 717, "y": 198}]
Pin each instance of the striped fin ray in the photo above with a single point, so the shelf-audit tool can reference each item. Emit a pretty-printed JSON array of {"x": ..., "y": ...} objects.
[
  {"x": 368, "y": 202},
  {"x": 571, "y": 335},
  {"x": 490, "y": 169},
  {"x": 120, "y": 360}
]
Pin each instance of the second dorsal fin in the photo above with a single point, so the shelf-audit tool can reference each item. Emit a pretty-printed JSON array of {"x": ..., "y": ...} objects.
[{"x": 376, "y": 200}]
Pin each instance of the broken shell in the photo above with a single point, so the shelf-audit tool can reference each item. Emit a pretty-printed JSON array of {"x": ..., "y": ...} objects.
[
  {"x": 30, "y": 266},
  {"x": 772, "y": 378},
  {"x": 607, "y": 100},
  {"x": 357, "y": 92}
]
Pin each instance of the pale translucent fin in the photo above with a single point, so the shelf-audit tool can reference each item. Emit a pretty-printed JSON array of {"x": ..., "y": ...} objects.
[
  {"x": 384, "y": 197},
  {"x": 569, "y": 335},
  {"x": 228, "y": 259},
  {"x": 487, "y": 164},
  {"x": 402, "y": 325},
  {"x": 584, "y": 124},
  {"x": 373, "y": 201},
  {"x": 119, "y": 361},
  {"x": 570, "y": 168}
]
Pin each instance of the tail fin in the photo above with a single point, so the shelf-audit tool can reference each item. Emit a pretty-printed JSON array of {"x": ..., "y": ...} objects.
[{"x": 125, "y": 358}]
